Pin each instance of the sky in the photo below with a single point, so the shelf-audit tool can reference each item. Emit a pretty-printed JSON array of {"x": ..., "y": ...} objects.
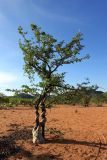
[{"x": 62, "y": 19}]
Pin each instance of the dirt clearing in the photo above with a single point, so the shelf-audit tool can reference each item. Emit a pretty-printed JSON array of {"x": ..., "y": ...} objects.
[{"x": 72, "y": 133}]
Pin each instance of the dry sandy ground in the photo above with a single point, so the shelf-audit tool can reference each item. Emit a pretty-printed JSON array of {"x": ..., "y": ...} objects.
[{"x": 84, "y": 134}]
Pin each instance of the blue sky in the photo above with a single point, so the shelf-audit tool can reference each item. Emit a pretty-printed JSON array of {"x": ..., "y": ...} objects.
[{"x": 63, "y": 19}]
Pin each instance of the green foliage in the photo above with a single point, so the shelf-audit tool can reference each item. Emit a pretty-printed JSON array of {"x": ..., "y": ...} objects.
[
  {"x": 85, "y": 91},
  {"x": 24, "y": 96},
  {"x": 20, "y": 101},
  {"x": 15, "y": 91},
  {"x": 55, "y": 132},
  {"x": 84, "y": 94},
  {"x": 29, "y": 90},
  {"x": 4, "y": 100},
  {"x": 14, "y": 101},
  {"x": 43, "y": 55},
  {"x": 98, "y": 99},
  {"x": 105, "y": 97}
]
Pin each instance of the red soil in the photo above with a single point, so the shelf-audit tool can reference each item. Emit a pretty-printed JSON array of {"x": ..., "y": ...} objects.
[{"x": 85, "y": 133}]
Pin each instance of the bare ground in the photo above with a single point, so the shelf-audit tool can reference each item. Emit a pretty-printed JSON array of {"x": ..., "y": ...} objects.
[{"x": 84, "y": 134}]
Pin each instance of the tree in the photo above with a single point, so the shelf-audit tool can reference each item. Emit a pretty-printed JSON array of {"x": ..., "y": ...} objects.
[
  {"x": 99, "y": 98},
  {"x": 43, "y": 55},
  {"x": 85, "y": 92}
]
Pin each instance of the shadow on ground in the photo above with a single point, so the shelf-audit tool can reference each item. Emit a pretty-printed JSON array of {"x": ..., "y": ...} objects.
[
  {"x": 9, "y": 147},
  {"x": 85, "y": 143}
]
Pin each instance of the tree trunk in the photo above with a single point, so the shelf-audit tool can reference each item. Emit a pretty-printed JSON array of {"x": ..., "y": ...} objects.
[
  {"x": 38, "y": 131},
  {"x": 43, "y": 116},
  {"x": 37, "y": 116}
]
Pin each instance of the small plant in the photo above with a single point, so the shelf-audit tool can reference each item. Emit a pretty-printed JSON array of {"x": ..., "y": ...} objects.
[{"x": 55, "y": 132}]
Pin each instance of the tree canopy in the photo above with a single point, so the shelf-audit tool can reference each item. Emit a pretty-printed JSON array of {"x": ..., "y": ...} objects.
[{"x": 43, "y": 55}]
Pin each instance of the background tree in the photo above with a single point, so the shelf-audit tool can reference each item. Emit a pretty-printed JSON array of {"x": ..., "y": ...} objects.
[
  {"x": 3, "y": 100},
  {"x": 83, "y": 94},
  {"x": 99, "y": 98},
  {"x": 85, "y": 91},
  {"x": 43, "y": 55},
  {"x": 23, "y": 96}
]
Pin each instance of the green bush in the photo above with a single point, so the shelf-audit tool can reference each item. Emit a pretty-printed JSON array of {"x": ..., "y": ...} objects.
[
  {"x": 98, "y": 100},
  {"x": 4, "y": 100},
  {"x": 26, "y": 101}
]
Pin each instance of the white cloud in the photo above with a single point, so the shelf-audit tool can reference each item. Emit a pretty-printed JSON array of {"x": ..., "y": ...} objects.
[{"x": 7, "y": 78}]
